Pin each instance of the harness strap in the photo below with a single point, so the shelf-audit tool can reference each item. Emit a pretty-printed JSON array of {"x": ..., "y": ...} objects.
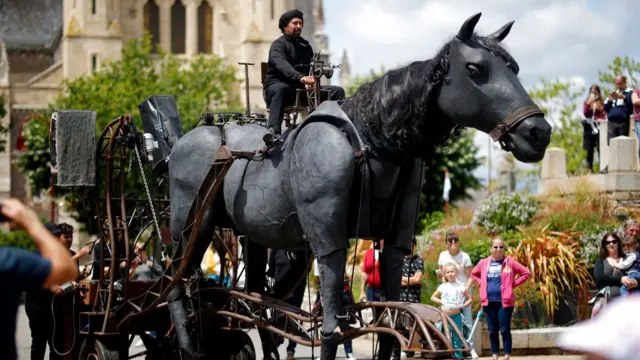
[{"x": 514, "y": 119}]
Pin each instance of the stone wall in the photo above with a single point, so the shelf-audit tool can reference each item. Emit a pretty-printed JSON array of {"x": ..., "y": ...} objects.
[{"x": 621, "y": 182}]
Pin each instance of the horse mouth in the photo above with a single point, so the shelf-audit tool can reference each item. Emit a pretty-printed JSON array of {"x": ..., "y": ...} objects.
[{"x": 528, "y": 141}]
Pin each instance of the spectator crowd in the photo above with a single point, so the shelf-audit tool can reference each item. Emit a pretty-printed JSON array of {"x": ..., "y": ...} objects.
[{"x": 619, "y": 108}]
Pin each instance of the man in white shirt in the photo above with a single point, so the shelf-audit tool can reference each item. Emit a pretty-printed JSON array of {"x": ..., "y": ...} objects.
[{"x": 463, "y": 261}]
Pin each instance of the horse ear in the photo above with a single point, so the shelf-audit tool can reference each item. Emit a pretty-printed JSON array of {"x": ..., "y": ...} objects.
[
  {"x": 466, "y": 30},
  {"x": 501, "y": 33}
]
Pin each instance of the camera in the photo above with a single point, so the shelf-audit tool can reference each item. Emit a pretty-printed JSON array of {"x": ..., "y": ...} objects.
[
  {"x": 67, "y": 287},
  {"x": 3, "y": 218}
]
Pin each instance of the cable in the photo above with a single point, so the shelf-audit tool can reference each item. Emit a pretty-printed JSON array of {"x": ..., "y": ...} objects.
[{"x": 73, "y": 316}]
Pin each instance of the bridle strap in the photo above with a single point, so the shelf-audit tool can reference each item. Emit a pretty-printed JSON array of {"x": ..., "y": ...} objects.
[{"x": 515, "y": 118}]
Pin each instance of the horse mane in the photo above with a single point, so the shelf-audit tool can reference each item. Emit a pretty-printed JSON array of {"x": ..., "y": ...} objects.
[{"x": 398, "y": 112}]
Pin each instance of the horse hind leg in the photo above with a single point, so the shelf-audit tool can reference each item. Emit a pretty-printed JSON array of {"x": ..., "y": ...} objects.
[
  {"x": 332, "y": 279},
  {"x": 255, "y": 260}
]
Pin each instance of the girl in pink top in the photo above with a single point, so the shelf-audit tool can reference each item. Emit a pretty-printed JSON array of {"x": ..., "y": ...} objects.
[{"x": 498, "y": 275}]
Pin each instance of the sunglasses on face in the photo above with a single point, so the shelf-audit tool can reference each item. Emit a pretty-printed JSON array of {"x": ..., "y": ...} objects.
[
  {"x": 610, "y": 242},
  {"x": 498, "y": 247},
  {"x": 451, "y": 241}
]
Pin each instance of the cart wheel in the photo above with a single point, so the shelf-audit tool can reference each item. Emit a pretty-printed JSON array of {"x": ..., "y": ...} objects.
[
  {"x": 240, "y": 345},
  {"x": 94, "y": 349}
]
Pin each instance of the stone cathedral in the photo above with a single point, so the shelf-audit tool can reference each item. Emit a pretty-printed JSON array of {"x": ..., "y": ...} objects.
[{"x": 43, "y": 42}]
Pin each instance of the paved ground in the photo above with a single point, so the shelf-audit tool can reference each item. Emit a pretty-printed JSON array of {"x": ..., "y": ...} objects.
[{"x": 362, "y": 347}]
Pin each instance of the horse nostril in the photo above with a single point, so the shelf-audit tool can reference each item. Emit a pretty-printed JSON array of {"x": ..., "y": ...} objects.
[{"x": 533, "y": 132}]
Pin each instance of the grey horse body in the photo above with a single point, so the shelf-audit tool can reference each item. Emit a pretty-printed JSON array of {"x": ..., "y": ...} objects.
[{"x": 313, "y": 190}]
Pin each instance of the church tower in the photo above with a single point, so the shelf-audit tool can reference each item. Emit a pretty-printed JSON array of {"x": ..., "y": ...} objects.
[
  {"x": 345, "y": 71},
  {"x": 91, "y": 35}
]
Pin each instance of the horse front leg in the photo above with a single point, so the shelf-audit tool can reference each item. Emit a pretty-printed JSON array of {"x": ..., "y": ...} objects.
[
  {"x": 255, "y": 262},
  {"x": 332, "y": 280},
  {"x": 391, "y": 262},
  {"x": 398, "y": 245},
  {"x": 176, "y": 299}
]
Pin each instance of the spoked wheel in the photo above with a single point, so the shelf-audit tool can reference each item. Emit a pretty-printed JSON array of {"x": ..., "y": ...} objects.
[
  {"x": 103, "y": 349},
  {"x": 239, "y": 345}
]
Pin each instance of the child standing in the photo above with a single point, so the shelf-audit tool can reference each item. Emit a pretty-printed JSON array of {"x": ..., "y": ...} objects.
[
  {"x": 452, "y": 298},
  {"x": 630, "y": 265}
]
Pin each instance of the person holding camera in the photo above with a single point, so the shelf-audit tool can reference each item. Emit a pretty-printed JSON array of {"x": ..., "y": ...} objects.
[
  {"x": 619, "y": 108},
  {"x": 22, "y": 270}
]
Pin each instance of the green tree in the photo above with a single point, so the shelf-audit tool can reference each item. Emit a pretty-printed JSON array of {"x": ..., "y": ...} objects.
[
  {"x": 458, "y": 155},
  {"x": 560, "y": 101},
  {"x": 626, "y": 66},
  {"x": 4, "y": 130},
  {"x": 117, "y": 90}
]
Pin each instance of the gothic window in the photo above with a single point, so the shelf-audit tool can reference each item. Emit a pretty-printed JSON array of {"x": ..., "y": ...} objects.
[
  {"x": 205, "y": 23},
  {"x": 151, "y": 15},
  {"x": 178, "y": 30},
  {"x": 93, "y": 7},
  {"x": 95, "y": 63}
]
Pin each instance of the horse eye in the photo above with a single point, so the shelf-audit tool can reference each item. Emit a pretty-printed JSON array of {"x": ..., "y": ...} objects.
[{"x": 474, "y": 69}]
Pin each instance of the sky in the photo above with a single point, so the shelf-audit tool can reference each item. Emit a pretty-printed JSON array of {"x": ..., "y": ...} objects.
[{"x": 568, "y": 39}]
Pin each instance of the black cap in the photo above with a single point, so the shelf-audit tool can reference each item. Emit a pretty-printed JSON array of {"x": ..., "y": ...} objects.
[
  {"x": 53, "y": 228},
  {"x": 286, "y": 18}
]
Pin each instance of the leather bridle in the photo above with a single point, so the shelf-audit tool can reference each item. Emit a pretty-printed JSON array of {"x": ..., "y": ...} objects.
[{"x": 515, "y": 118}]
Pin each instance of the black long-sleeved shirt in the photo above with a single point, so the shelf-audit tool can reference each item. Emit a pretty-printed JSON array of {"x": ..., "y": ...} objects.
[
  {"x": 602, "y": 279},
  {"x": 289, "y": 60}
]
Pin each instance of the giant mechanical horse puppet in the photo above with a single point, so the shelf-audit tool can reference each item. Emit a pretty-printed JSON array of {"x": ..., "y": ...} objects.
[{"x": 353, "y": 170}]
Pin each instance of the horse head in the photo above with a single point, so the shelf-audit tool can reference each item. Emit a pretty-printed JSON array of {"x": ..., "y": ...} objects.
[{"x": 482, "y": 90}]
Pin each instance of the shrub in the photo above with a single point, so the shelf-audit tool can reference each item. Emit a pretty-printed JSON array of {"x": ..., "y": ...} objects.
[
  {"x": 528, "y": 310},
  {"x": 577, "y": 216},
  {"x": 457, "y": 216},
  {"x": 554, "y": 262},
  {"x": 478, "y": 250},
  {"x": 504, "y": 212},
  {"x": 17, "y": 238},
  {"x": 432, "y": 221}
]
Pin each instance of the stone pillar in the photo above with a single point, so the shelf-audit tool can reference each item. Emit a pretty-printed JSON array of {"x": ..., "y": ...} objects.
[
  {"x": 192, "y": 27},
  {"x": 604, "y": 147},
  {"x": 554, "y": 164},
  {"x": 165, "y": 23},
  {"x": 622, "y": 155}
]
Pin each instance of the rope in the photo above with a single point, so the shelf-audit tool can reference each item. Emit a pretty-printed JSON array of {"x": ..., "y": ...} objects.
[{"x": 73, "y": 317}]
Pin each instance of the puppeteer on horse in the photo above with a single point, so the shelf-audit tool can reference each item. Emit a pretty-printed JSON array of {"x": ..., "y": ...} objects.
[{"x": 290, "y": 57}]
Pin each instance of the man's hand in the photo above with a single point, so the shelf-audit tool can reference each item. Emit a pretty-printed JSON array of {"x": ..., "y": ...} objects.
[
  {"x": 84, "y": 251},
  {"x": 56, "y": 290},
  {"x": 17, "y": 212},
  {"x": 308, "y": 80}
]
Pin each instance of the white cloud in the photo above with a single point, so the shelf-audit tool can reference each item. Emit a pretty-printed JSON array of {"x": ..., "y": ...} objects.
[{"x": 549, "y": 38}]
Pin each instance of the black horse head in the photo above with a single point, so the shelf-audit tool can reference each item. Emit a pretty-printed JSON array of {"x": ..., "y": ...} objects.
[
  {"x": 483, "y": 92},
  {"x": 471, "y": 82}
]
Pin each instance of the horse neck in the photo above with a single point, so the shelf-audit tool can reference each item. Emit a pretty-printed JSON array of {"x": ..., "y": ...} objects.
[{"x": 396, "y": 121}]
